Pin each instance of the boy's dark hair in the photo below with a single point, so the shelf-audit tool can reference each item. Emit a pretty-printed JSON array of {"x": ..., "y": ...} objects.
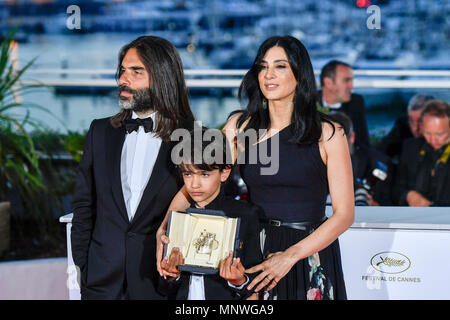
[
  {"x": 344, "y": 120},
  {"x": 209, "y": 140}
]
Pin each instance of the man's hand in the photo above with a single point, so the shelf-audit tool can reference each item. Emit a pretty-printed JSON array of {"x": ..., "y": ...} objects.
[
  {"x": 372, "y": 201},
  {"x": 169, "y": 265},
  {"x": 415, "y": 199},
  {"x": 232, "y": 270}
]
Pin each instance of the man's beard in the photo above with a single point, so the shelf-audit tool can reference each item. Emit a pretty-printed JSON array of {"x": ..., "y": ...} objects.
[{"x": 140, "y": 102}]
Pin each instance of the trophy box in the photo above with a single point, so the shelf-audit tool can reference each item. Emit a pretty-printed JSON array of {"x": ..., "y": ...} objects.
[{"x": 204, "y": 237}]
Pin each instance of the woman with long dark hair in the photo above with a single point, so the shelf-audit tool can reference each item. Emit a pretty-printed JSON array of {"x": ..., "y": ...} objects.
[{"x": 300, "y": 243}]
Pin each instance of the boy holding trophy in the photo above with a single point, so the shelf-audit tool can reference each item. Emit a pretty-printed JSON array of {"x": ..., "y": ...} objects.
[{"x": 218, "y": 237}]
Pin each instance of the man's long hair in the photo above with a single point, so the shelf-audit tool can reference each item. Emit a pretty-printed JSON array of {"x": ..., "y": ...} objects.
[
  {"x": 169, "y": 95},
  {"x": 306, "y": 119}
]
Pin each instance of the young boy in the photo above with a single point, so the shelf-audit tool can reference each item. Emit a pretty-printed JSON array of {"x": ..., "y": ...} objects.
[{"x": 204, "y": 183}]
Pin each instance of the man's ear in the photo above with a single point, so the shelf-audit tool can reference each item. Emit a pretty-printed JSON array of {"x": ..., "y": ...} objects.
[
  {"x": 352, "y": 138},
  {"x": 327, "y": 82},
  {"x": 224, "y": 174}
]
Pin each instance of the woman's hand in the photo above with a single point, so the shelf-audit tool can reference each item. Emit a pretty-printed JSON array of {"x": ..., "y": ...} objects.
[{"x": 275, "y": 267}]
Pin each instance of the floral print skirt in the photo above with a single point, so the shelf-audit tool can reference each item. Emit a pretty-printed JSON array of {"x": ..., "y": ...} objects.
[{"x": 318, "y": 277}]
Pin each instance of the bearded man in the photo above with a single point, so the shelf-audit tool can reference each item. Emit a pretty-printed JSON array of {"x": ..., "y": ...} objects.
[{"x": 126, "y": 178}]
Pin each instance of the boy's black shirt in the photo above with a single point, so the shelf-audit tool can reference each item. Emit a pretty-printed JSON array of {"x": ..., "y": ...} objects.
[{"x": 217, "y": 288}]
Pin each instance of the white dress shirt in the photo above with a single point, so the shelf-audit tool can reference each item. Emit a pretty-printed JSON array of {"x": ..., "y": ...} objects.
[
  {"x": 331, "y": 106},
  {"x": 197, "y": 287},
  {"x": 139, "y": 154}
]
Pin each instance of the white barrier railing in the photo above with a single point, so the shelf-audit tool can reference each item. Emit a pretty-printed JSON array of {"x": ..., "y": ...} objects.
[
  {"x": 440, "y": 79},
  {"x": 241, "y": 72},
  {"x": 218, "y": 83}
]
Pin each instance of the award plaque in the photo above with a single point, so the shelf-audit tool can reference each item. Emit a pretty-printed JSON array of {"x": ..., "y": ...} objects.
[{"x": 204, "y": 237}]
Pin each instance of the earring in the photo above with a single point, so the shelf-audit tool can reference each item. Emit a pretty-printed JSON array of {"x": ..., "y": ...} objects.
[{"x": 264, "y": 103}]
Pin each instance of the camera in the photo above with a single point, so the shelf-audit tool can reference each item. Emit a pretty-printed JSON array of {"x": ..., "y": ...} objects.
[
  {"x": 362, "y": 191},
  {"x": 363, "y": 186}
]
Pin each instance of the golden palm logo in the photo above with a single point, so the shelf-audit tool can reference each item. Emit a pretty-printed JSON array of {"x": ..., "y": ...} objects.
[{"x": 390, "y": 262}]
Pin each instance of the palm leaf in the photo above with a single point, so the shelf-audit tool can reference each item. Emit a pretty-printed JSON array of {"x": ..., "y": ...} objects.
[
  {"x": 11, "y": 78},
  {"x": 19, "y": 163},
  {"x": 4, "y": 51}
]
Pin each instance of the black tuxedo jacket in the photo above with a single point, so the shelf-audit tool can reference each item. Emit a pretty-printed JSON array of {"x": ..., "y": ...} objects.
[
  {"x": 217, "y": 288},
  {"x": 356, "y": 110},
  {"x": 106, "y": 246},
  {"x": 392, "y": 143},
  {"x": 364, "y": 161}
]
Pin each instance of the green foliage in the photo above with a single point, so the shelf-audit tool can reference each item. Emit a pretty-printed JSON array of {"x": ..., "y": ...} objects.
[
  {"x": 323, "y": 109},
  {"x": 37, "y": 168},
  {"x": 28, "y": 178},
  {"x": 74, "y": 142},
  {"x": 18, "y": 164},
  {"x": 56, "y": 160},
  {"x": 53, "y": 143},
  {"x": 18, "y": 158}
]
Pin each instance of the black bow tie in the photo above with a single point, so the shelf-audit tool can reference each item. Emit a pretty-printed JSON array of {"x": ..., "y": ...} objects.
[{"x": 133, "y": 124}]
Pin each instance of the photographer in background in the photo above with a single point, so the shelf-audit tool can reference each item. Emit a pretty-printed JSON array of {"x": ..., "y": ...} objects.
[
  {"x": 372, "y": 170},
  {"x": 405, "y": 127},
  {"x": 423, "y": 177}
]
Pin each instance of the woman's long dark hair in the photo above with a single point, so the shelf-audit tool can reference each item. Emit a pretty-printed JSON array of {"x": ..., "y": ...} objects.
[
  {"x": 306, "y": 119},
  {"x": 168, "y": 90}
]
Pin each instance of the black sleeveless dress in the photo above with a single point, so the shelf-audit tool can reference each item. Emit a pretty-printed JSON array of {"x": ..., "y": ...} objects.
[{"x": 296, "y": 193}]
